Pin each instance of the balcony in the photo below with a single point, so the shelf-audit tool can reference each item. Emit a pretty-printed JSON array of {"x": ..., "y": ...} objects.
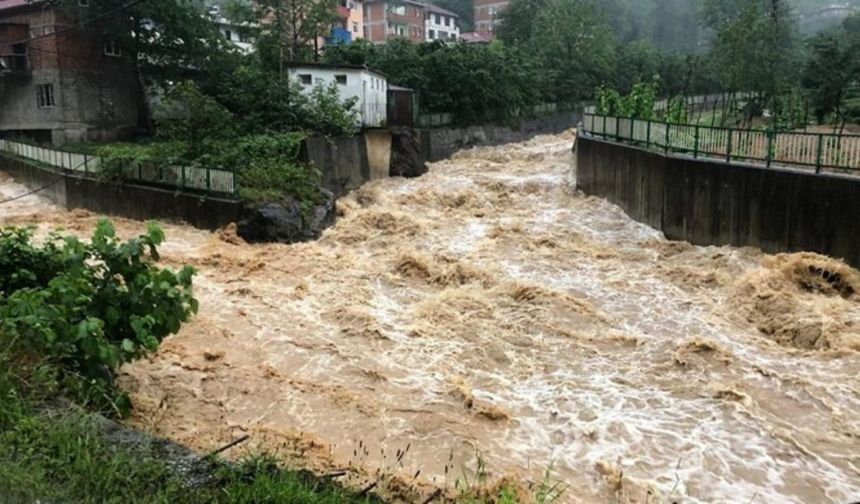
[
  {"x": 15, "y": 65},
  {"x": 339, "y": 35}
]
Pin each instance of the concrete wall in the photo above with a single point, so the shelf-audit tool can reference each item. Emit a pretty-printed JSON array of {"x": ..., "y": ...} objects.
[
  {"x": 708, "y": 202},
  {"x": 342, "y": 161},
  {"x": 124, "y": 200},
  {"x": 441, "y": 143},
  {"x": 378, "y": 144}
]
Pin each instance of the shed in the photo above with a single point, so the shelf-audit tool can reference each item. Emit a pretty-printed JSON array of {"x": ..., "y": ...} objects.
[
  {"x": 402, "y": 106},
  {"x": 368, "y": 86}
]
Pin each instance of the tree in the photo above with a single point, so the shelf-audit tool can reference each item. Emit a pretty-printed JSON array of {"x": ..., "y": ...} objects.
[
  {"x": 296, "y": 27},
  {"x": 830, "y": 71}
]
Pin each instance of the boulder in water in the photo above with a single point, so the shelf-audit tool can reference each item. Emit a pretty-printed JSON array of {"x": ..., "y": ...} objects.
[
  {"x": 406, "y": 157},
  {"x": 284, "y": 222}
]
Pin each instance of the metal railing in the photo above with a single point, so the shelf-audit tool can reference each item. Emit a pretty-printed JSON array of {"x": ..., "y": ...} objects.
[
  {"x": 821, "y": 151},
  {"x": 210, "y": 180}
]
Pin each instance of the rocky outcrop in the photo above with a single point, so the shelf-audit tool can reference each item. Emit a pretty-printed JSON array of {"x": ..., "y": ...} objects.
[
  {"x": 406, "y": 157},
  {"x": 285, "y": 223}
]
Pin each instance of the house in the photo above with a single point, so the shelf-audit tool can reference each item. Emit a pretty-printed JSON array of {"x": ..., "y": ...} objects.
[
  {"x": 353, "y": 81},
  {"x": 475, "y": 38},
  {"x": 61, "y": 82},
  {"x": 235, "y": 33},
  {"x": 388, "y": 19},
  {"x": 349, "y": 25},
  {"x": 440, "y": 24},
  {"x": 487, "y": 15}
]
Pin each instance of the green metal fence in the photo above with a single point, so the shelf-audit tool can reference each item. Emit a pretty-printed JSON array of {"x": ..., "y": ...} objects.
[
  {"x": 210, "y": 180},
  {"x": 820, "y": 151}
]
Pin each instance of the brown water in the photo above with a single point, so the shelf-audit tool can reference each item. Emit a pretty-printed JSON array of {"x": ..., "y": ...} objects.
[{"x": 488, "y": 307}]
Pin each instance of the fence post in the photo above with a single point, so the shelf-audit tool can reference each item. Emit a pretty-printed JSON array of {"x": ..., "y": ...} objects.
[
  {"x": 696, "y": 141},
  {"x": 617, "y": 128},
  {"x": 604, "y": 127},
  {"x": 819, "y": 153},
  {"x": 632, "y": 124},
  {"x": 666, "y": 144},
  {"x": 769, "y": 155},
  {"x": 86, "y": 164},
  {"x": 139, "y": 171},
  {"x": 648, "y": 135},
  {"x": 729, "y": 148},
  {"x": 208, "y": 180},
  {"x": 182, "y": 171}
]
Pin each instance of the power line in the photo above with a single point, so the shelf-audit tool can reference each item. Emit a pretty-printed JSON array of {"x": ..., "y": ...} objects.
[
  {"x": 80, "y": 24},
  {"x": 29, "y": 193}
]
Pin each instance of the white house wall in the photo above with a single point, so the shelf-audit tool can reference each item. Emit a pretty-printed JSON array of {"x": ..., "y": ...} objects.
[
  {"x": 370, "y": 88},
  {"x": 431, "y": 24}
]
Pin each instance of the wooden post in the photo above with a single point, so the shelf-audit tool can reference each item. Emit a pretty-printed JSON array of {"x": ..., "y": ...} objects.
[{"x": 819, "y": 153}]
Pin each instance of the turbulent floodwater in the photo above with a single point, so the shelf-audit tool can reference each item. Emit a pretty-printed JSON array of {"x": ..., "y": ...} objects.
[{"x": 488, "y": 307}]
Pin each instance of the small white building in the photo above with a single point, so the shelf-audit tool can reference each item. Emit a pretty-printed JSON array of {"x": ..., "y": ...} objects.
[
  {"x": 235, "y": 33},
  {"x": 368, "y": 86},
  {"x": 440, "y": 24}
]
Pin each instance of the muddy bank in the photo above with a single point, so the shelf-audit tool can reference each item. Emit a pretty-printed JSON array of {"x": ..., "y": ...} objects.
[{"x": 486, "y": 306}]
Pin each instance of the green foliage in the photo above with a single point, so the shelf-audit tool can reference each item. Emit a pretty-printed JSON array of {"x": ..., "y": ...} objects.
[
  {"x": 188, "y": 115},
  {"x": 119, "y": 158},
  {"x": 455, "y": 78},
  {"x": 268, "y": 169},
  {"x": 322, "y": 111},
  {"x": 677, "y": 111},
  {"x": 638, "y": 104},
  {"x": 264, "y": 101},
  {"x": 65, "y": 456},
  {"x": 89, "y": 307},
  {"x": 833, "y": 66}
]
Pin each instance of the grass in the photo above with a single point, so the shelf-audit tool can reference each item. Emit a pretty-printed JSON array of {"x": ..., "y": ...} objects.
[
  {"x": 54, "y": 451},
  {"x": 63, "y": 456}
]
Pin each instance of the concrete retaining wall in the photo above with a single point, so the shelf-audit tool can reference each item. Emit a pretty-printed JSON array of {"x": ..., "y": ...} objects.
[
  {"x": 708, "y": 202},
  {"x": 342, "y": 161},
  {"x": 441, "y": 143},
  {"x": 124, "y": 200}
]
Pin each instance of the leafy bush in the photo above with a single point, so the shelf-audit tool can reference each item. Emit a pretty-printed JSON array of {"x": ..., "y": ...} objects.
[
  {"x": 87, "y": 308},
  {"x": 322, "y": 111},
  {"x": 117, "y": 159},
  {"x": 638, "y": 104}
]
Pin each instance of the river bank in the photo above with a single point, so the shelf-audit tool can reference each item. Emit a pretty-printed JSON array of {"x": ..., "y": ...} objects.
[{"x": 486, "y": 307}]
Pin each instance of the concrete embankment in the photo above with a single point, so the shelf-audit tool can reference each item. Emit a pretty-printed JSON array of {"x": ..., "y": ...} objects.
[{"x": 711, "y": 202}]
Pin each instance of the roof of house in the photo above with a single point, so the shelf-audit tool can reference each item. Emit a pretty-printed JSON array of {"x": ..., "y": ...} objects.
[
  {"x": 475, "y": 38},
  {"x": 11, "y": 4},
  {"x": 326, "y": 66},
  {"x": 435, "y": 9}
]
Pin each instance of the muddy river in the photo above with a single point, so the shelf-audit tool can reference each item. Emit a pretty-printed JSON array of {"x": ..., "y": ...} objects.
[{"x": 487, "y": 308}]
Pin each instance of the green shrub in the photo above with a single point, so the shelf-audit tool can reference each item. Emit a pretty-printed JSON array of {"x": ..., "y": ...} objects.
[{"x": 86, "y": 308}]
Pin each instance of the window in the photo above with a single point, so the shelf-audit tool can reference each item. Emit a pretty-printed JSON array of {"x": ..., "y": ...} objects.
[
  {"x": 228, "y": 34},
  {"x": 305, "y": 79},
  {"x": 442, "y": 34},
  {"x": 453, "y": 36},
  {"x": 437, "y": 19},
  {"x": 355, "y": 27},
  {"x": 111, "y": 48},
  {"x": 340, "y": 79},
  {"x": 45, "y": 95},
  {"x": 447, "y": 21},
  {"x": 431, "y": 34}
]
